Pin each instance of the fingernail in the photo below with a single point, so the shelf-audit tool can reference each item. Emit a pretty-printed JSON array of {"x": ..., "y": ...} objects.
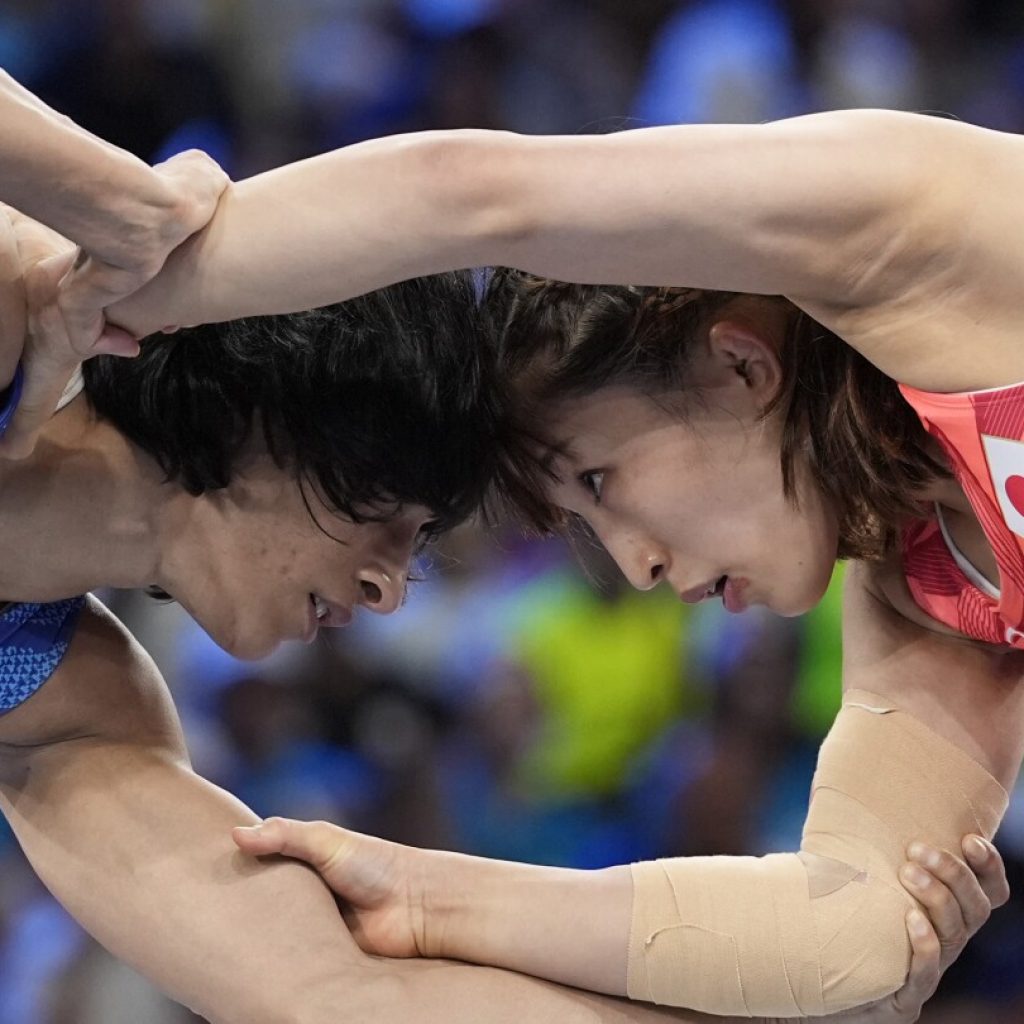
[
  {"x": 917, "y": 877},
  {"x": 253, "y": 830},
  {"x": 917, "y": 923},
  {"x": 924, "y": 855},
  {"x": 977, "y": 849}
]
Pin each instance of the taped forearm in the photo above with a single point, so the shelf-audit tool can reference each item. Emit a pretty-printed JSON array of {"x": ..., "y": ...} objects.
[{"x": 809, "y": 934}]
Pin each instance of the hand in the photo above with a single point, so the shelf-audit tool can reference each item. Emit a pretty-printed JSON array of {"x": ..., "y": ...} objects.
[
  {"x": 958, "y": 901},
  {"x": 391, "y": 891},
  {"x": 101, "y": 277},
  {"x": 67, "y": 291},
  {"x": 44, "y": 359},
  {"x": 384, "y": 885}
]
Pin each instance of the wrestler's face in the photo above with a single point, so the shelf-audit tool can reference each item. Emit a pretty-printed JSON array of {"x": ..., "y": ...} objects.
[
  {"x": 249, "y": 562},
  {"x": 690, "y": 499}
]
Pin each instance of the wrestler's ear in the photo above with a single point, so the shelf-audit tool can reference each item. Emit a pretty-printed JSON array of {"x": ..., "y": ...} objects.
[{"x": 742, "y": 356}]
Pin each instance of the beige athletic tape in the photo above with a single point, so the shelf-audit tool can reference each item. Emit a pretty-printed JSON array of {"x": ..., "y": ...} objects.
[{"x": 808, "y": 934}]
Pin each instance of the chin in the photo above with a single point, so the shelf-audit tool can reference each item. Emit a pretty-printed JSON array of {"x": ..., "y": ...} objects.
[
  {"x": 805, "y": 594},
  {"x": 254, "y": 649},
  {"x": 245, "y": 645}
]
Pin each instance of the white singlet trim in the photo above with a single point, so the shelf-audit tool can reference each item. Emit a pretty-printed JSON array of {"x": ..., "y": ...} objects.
[
  {"x": 72, "y": 391},
  {"x": 963, "y": 564}
]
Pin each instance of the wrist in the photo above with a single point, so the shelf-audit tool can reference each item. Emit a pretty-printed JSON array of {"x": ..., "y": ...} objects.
[
  {"x": 529, "y": 919},
  {"x": 443, "y": 913},
  {"x": 138, "y": 226}
]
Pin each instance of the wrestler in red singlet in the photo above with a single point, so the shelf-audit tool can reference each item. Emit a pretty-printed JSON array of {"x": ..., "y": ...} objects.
[{"x": 982, "y": 435}]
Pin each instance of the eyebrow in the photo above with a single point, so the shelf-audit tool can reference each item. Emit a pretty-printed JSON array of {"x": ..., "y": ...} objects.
[{"x": 553, "y": 451}]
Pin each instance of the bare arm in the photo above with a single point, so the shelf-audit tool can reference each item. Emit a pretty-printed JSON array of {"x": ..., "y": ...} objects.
[
  {"x": 95, "y": 781},
  {"x": 574, "y": 927},
  {"x": 968, "y": 693},
  {"x": 840, "y": 209},
  {"x": 105, "y": 199}
]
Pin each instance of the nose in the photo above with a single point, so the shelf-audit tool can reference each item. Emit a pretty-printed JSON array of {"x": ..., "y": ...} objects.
[
  {"x": 381, "y": 591},
  {"x": 642, "y": 562}
]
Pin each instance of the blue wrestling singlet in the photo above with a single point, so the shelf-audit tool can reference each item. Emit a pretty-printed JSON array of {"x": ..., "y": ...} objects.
[
  {"x": 33, "y": 640},
  {"x": 9, "y": 398},
  {"x": 33, "y": 637}
]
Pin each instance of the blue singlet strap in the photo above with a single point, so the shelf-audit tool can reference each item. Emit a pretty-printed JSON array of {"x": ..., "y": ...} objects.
[{"x": 9, "y": 399}]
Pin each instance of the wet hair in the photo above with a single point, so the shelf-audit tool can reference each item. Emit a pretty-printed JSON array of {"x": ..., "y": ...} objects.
[
  {"x": 842, "y": 417},
  {"x": 377, "y": 403}
]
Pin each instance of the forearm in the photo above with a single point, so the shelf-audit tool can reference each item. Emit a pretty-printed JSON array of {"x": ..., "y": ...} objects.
[
  {"x": 321, "y": 231},
  {"x": 568, "y": 926},
  {"x": 782, "y": 208},
  {"x": 101, "y": 197},
  {"x": 452, "y": 993},
  {"x": 138, "y": 849}
]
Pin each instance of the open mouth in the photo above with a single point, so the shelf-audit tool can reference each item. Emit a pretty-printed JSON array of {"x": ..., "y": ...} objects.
[
  {"x": 320, "y": 606},
  {"x": 719, "y": 588}
]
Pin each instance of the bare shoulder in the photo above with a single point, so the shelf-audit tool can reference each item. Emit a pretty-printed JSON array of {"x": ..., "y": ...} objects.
[
  {"x": 970, "y": 693},
  {"x": 106, "y": 687}
]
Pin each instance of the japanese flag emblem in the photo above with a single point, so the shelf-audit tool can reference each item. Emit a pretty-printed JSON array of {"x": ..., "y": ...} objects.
[{"x": 1006, "y": 466}]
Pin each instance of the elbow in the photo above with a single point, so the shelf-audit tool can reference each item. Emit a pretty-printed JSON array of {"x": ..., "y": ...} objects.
[{"x": 864, "y": 947}]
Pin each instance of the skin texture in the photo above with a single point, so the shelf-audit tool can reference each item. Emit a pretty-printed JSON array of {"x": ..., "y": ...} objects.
[
  {"x": 87, "y": 510},
  {"x": 632, "y": 473},
  {"x": 863, "y": 244},
  {"x": 685, "y": 501},
  {"x": 125, "y": 215},
  {"x": 895, "y": 256},
  {"x": 95, "y": 780}
]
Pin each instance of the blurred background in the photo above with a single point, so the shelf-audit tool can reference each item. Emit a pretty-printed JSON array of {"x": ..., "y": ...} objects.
[{"x": 514, "y": 708}]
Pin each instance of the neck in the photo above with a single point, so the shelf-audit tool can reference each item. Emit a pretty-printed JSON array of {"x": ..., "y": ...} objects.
[{"x": 86, "y": 510}]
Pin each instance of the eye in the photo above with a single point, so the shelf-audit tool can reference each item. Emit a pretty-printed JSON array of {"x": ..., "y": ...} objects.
[
  {"x": 428, "y": 534},
  {"x": 593, "y": 481}
]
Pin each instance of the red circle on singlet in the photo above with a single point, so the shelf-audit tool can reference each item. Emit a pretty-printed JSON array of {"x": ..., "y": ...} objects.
[{"x": 1015, "y": 492}]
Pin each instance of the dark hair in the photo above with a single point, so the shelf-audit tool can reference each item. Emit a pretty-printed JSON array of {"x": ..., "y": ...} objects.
[
  {"x": 379, "y": 402},
  {"x": 862, "y": 442}
]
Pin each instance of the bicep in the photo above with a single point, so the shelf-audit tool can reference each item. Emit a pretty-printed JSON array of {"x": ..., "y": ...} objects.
[{"x": 810, "y": 207}]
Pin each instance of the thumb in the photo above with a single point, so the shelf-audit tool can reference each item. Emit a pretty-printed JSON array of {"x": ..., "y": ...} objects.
[{"x": 315, "y": 842}]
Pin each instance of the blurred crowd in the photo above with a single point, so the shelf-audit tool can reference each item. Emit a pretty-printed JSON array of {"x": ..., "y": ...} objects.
[{"x": 525, "y": 704}]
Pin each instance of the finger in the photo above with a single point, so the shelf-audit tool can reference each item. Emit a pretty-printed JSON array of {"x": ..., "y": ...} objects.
[
  {"x": 196, "y": 164},
  {"x": 953, "y": 882},
  {"x": 47, "y": 363},
  {"x": 987, "y": 863},
  {"x": 315, "y": 842},
  {"x": 86, "y": 290},
  {"x": 942, "y": 909},
  {"x": 44, "y": 384},
  {"x": 116, "y": 341},
  {"x": 925, "y": 967},
  {"x": 199, "y": 177}
]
